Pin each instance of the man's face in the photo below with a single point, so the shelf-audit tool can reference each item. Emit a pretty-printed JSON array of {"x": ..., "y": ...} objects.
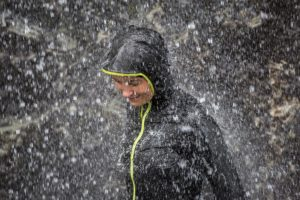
[{"x": 135, "y": 89}]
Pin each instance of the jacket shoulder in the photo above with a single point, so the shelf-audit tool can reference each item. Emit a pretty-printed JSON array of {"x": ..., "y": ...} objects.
[{"x": 188, "y": 106}]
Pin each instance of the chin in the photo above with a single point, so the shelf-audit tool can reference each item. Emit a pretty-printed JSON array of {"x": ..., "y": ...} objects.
[{"x": 137, "y": 104}]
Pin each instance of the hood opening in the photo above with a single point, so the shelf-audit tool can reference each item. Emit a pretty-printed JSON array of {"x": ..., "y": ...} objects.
[
  {"x": 111, "y": 73},
  {"x": 139, "y": 51}
]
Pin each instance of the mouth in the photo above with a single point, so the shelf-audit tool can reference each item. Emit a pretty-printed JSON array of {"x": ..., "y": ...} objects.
[{"x": 133, "y": 98}]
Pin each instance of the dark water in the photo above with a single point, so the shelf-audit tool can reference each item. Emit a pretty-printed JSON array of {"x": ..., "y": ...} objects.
[{"x": 61, "y": 120}]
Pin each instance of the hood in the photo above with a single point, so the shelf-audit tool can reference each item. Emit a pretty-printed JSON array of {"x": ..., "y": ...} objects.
[
  {"x": 141, "y": 52},
  {"x": 137, "y": 51}
]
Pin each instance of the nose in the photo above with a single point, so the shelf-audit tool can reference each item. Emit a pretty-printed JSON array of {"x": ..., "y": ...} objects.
[{"x": 127, "y": 93}]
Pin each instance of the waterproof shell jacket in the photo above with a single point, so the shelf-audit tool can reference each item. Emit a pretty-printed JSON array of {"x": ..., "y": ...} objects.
[{"x": 171, "y": 145}]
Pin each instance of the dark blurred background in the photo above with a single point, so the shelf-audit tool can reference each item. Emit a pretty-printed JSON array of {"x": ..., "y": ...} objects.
[{"x": 61, "y": 121}]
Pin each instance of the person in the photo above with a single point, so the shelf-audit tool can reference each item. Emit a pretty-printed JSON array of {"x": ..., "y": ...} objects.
[{"x": 171, "y": 145}]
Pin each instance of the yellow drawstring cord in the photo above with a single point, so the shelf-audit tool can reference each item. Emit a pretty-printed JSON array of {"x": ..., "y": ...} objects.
[
  {"x": 141, "y": 112},
  {"x": 144, "y": 116}
]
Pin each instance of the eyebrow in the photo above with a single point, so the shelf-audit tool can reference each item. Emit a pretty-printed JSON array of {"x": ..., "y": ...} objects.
[{"x": 129, "y": 79}]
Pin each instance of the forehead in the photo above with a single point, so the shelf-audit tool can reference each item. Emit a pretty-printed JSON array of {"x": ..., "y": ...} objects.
[{"x": 126, "y": 78}]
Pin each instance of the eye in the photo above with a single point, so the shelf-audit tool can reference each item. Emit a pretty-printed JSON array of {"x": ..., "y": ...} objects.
[
  {"x": 133, "y": 82},
  {"x": 117, "y": 81}
]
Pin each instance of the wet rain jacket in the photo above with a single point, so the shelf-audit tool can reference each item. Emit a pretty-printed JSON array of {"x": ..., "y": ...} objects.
[{"x": 171, "y": 145}]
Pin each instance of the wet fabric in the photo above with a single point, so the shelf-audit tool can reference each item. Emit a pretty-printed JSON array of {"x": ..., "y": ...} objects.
[{"x": 181, "y": 145}]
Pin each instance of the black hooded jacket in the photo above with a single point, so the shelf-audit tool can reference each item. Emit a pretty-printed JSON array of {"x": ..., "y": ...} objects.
[{"x": 180, "y": 145}]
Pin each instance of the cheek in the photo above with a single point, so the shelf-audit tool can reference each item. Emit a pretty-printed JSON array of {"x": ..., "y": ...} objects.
[
  {"x": 118, "y": 86},
  {"x": 142, "y": 90},
  {"x": 147, "y": 93},
  {"x": 150, "y": 94}
]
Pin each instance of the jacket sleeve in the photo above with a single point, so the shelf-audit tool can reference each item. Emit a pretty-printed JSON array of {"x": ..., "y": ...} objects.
[{"x": 216, "y": 161}]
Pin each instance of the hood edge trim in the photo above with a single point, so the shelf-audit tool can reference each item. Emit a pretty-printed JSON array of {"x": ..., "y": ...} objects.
[{"x": 112, "y": 73}]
